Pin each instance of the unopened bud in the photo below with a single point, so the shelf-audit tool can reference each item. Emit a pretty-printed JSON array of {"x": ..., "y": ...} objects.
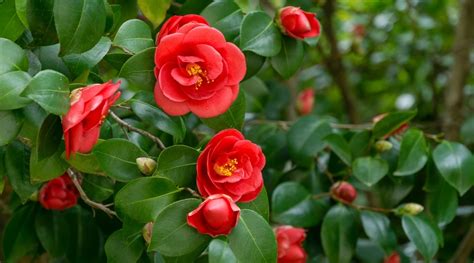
[
  {"x": 383, "y": 146},
  {"x": 344, "y": 191},
  {"x": 34, "y": 196},
  {"x": 409, "y": 209},
  {"x": 147, "y": 231},
  {"x": 146, "y": 165}
]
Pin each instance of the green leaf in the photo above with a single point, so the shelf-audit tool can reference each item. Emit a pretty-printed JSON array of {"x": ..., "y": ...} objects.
[
  {"x": 19, "y": 237},
  {"x": 157, "y": 118},
  {"x": 12, "y": 85},
  {"x": 422, "y": 234},
  {"x": 86, "y": 163},
  {"x": 255, "y": 92},
  {"x": 47, "y": 168},
  {"x": 340, "y": 147},
  {"x": 178, "y": 163},
  {"x": 12, "y": 57},
  {"x": 259, "y": 205},
  {"x": 455, "y": 163},
  {"x": 49, "y": 136},
  {"x": 232, "y": 118},
  {"x": 253, "y": 240},
  {"x": 339, "y": 234},
  {"x": 413, "y": 153},
  {"x": 154, "y": 10},
  {"x": 248, "y": 5},
  {"x": 117, "y": 158},
  {"x": 360, "y": 143},
  {"x": 138, "y": 70},
  {"x": 259, "y": 34},
  {"x": 369, "y": 170},
  {"x": 293, "y": 205},
  {"x": 121, "y": 250},
  {"x": 50, "y": 90},
  {"x": 442, "y": 202},
  {"x": 254, "y": 63},
  {"x": 40, "y": 20},
  {"x": 80, "y": 24},
  {"x": 11, "y": 125},
  {"x": 98, "y": 188},
  {"x": 78, "y": 63},
  {"x": 220, "y": 252},
  {"x": 10, "y": 24},
  {"x": 172, "y": 229},
  {"x": 290, "y": 58},
  {"x": 377, "y": 228},
  {"x": 391, "y": 123},
  {"x": 305, "y": 139},
  {"x": 52, "y": 231},
  {"x": 134, "y": 35},
  {"x": 226, "y": 16},
  {"x": 143, "y": 199}
]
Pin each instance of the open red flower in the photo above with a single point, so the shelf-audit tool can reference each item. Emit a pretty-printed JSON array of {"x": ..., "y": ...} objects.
[
  {"x": 89, "y": 107},
  {"x": 217, "y": 215},
  {"x": 197, "y": 71},
  {"x": 176, "y": 22},
  {"x": 58, "y": 194},
  {"x": 230, "y": 165},
  {"x": 305, "y": 101},
  {"x": 290, "y": 244},
  {"x": 297, "y": 23}
]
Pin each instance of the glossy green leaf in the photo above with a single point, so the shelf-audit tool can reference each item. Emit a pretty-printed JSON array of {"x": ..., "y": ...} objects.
[
  {"x": 49, "y": 136},
  {"x": 339, "y": 234},
  {"x": 48, "y": 168},
  {"x": 290, "y": 58},
  {"x": 293, "y": 205},
  {"x": 49, "y": 59},
  {"x": 248, "y": 5},
  {"x": 413, "y": 153},
  {"x": 143, "y": 199},
  {"x": 138, "y": 70},
  {"x": 52, "y": 231},
  {"x": 253, "y": 240},
  {"x": 40, "y": 19},
  {"x": 20, "y": 6},
  {"x": 305, "y": 139},
  {"x": 455, "y": 163},
  {"x": 178, "y": 163},
  {"x": 86, "y": 163},
  {"x": 369, "y": 170},
  {"x": 121, "y": 250},
  {"x": 10, "y": 24},
  {"x": 391, "y": 123},
  {"x": 11, "y": 125},
  {"x": 340, "y": 147},
  {"x": 12, "y": 57},
  {"x": 377, "y": 228},
  {"x": 442, "y": 203},
  {"x": 134, "y": 36},
  {"x": 360, "y": 143},
  {"x": 422, "y": 234},
  {"x": 117, "y": 158},
  {"x": 232, "y": 118},
  {"x": 220, "y": 252},
  {"x": 259, "y": 205},
  {"x": 50, "y": 90},
  {"x": 254, "y": 63},
  {"x": 255, "y": 92},
  {"x": 173, "y": 229},
  {"x": 98, "y": 188},
  {"x": 77, "y": 63},
  {"x": 154, "y": 10},
  {"x": 226, "y": 16},
  {"x": 80, "y": 24},
  {"x": 12, "y": 85},
  {"x": 259, "y": 34}
]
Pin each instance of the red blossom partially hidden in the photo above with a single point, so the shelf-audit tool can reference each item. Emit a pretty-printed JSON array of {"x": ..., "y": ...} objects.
[
  {"x": 393, "y": 258},
  {"x": 297, "y": 23},
  {"x": 398, "y": 131},
  {"x": 344, "y": 191},
  {"x": 290, "y": 244},
  {"x": 305, "y": 101},
  {"x": 58, "y": 194}
]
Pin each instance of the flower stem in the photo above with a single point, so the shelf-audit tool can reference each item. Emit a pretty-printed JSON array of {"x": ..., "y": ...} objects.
[
  {"x": 361, "y": 207},
  {"x": 192, "y": 192}
]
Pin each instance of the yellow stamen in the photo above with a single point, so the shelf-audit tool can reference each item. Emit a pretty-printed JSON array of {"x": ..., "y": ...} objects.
[
  {"x": 195, "y": 70},
  {"x": 227, "y": 169}
]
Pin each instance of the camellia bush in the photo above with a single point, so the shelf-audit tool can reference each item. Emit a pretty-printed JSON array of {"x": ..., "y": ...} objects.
[{"x": 160, "y": 131}]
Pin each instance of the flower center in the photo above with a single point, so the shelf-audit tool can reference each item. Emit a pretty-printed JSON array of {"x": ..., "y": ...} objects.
[
  {"x": 226, "y": 169},
  {"x": 194, "y": 69}
]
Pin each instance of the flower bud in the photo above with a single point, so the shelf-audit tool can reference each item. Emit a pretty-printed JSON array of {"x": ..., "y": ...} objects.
[
  {"x": 305, "y": 101},
  {"x": 147, "y": 231},
  {"x": 34, "y": 196},
  {"x": 297, "y": 23},
  {"x": 409, "y": 209},
  {"x": 146, "y": 165},
  {"x": 393, "y": 258},
  {"x": 344, "y": 191},
  {"x": 383, "y": 146},
  {"x": 58, "y": 194}
]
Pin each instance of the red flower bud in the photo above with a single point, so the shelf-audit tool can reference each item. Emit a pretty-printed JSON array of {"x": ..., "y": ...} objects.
[
  {"x": 400, "y": 129},
  {"x": 58, "y": 194},
  {"x": 359, "y": 30},
  {"x": 305, "y": 101},
  {"x": 290, "y": 244},
  {"x": 217, "y": 215},
  {"x": 393, "y": 258},
  {"x": 297, "y": 23},
  {"x": 344, "y": 191},
  {"x": 174, "y": 23}
]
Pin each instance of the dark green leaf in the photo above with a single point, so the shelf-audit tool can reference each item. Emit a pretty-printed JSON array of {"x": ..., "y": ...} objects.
[
  {"x": 377, "y": 228},
  {"x": 47, "y": 168},
  {"x": 12, "y": 85},
  {"x": 442, "y": 202},
  {"x": 259, "y": 34},
  {"x": 290, "y": 58},
  {"x": 98, "y": 188},
  {"x": 360, "y": 143},
  {"x": 49, "y": 137},
  {"x": 138, "y": 70},
  {"x": 254, "y": 63},
  {"x": 53, "y": 232},
  {"x": 154, "y": 10},
  {"x": 422, "y": 234},
  {"x": 40, "y": 20},
  {"x": 369, "y": 170},
  {"x": 11, "y": 125},
  {"x": 49, "y": 58},
  {"x": 220, "y": 252},
  {"x": 248, "y": 5},
  {"x": 121, "y": 250},
  {"x": 226, "y": 16},
  {"x": 340, "y": 147},
  {"x": 178, "y": 163},
  {"x": 172, "y": 229},
  {"x": 339, "y": 234},
  {"x": 259, "y": 205},
  {"x": 413, "y": 153},
  {"x": 134, "y": 35},
  {"x": 391, "y": 123},
  {"x": 80, "y": 24},
  {"x": 86, "y": 163},
  {"x": 255, "y": 92},
  {"x": 117, "y": 157},
  {"x": 10, "y": 24},
  {"x": 232, "y": 118},
  {"x": 77, "y": 63},
  {"x": 12, "y": 57}
]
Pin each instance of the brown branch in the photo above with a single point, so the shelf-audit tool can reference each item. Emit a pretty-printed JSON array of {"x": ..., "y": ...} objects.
[
  {"x": 465, "y": 248},
  {"x": 362, "y": 207},
  {"x": 193, "y": 192},
  {"x": 142, "y": 132}
]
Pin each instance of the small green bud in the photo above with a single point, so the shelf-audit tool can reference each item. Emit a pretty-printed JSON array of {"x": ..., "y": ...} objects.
[
  {"x": 34, "y": 196},
  {"x": 383, "y": 146},
  {"x": 146, "y": 232},
  {"x": 409, "y": 209},
  {"x": 146, "y": 165}
]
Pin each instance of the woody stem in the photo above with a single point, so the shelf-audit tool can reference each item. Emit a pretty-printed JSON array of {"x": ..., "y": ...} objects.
[
  {"x": 142, "y": 132},
  {"x": 192, "y": 192},
  {"x": 361, "y": 207},
  {"x": 74, "y": 174}
]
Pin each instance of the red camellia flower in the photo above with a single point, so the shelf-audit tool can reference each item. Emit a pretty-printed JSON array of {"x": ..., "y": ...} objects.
[
  {"x": 305, "y": 101},
  {"x": 393, "y": 258},
  {"x": 89, "y": 107},
  {"x": 217, "y": 215},
  {"x": 58, "y": 194},
  {"x": 290, "y": 244},
  {"x": 197, "y": 71},
  {"x": 176, "y": 22},
  {"x": 344, "y": 191},
  {"x": 399, "y": 130},
  {"x": 297, "y": 23},
  {"x": 230, "y": 165}
]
